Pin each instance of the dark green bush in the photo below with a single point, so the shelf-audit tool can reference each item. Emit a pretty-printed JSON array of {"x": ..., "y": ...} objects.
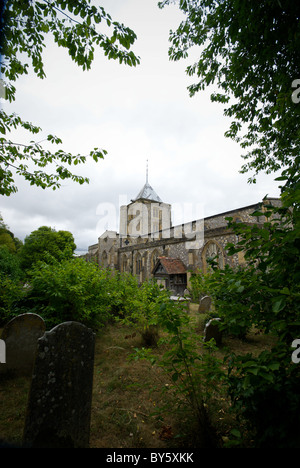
[{"x": 70, "y": 290}]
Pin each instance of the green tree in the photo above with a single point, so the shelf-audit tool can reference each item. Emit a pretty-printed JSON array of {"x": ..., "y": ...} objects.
[
  {"x": 142, "y": 309},
  {"x": 24, "y": 25},
  {"x": 11, "y": 287},
  {"x": 46, "y": 245},
  {"x": 265, "y": 388},
  {"x": 251, "y": 52},
  {"x": 8, "y": 239},
  {"x": 69, "y": 290},
  {"x": 9, "y": 264}
]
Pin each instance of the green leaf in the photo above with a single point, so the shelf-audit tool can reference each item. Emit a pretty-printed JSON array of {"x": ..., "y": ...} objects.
[
  {"x": 236, "y": 433},
  {"x": 278, "y": 306}
]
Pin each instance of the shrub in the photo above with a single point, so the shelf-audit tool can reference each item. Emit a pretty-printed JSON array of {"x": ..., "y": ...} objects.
[
  {"x": 191, "y": 365},
  {"x": 265, "y": 388},
  {"x": 46, "y": 245},
  {"x": 70, "y": 290},
  {"x": 11, "y": 296},
  {"x": 120, "y": 289},
  {"x": 11, "y": 288},
  {"x": 142, "y": 309}
]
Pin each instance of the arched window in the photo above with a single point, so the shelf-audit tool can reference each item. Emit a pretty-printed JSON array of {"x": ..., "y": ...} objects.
[
  {"x": 138, "y": 264},
  {"x": 153, "y": 259},
  {"x": 104, "y": 259},
  {"x": 212, "y": 250},
  {"x": 124, "y": 264}
]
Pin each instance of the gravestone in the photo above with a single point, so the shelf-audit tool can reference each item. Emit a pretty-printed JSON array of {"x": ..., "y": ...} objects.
[
  {"x": 204, "y": 305},
  {"x": 59, "y": 404},
  {"x": 2, "y": 352},
  {"x": 20, "y": 336},
  {"x": 212, "y": 330}
]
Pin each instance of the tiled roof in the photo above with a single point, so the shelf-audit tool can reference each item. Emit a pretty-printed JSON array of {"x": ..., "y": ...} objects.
[
  {"x": 148, "y": 193},
  {"x": 172, "y": 266}
]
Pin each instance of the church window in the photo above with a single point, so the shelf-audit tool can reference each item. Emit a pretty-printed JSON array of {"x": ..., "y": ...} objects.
[
  {"x": 155, "y": 227},
  {"x": 124, "y": 263},
  {"x": 155, "y": 212},
  {"x": 154, "y": 258},
  {"x": 212, "y": 250},
  {"x": 138, "y": 264},
  {"x": 104, "y": 259}
]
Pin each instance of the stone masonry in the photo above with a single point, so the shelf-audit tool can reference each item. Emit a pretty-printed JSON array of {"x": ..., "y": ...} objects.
[{"x": 147, "y": 234}]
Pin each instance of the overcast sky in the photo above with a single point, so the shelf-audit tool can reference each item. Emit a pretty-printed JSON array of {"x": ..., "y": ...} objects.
[{"x": 136, "y": 114}]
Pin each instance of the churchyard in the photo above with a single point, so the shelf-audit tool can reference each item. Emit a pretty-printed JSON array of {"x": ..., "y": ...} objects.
[{"x": 132, "y": 403}]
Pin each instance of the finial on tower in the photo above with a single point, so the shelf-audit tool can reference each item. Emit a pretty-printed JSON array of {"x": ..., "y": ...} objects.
[
  {"x": 147, "y": 191},
  {"x": 147, "y": 172}
]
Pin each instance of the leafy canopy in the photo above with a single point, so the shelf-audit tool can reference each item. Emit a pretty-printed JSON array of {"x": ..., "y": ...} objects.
[
  {"x": 251, "y": 51},
  {"x": 7, "y": 238},
  {"x": 72, "y": 289},
  {"x": 24, "y": 26},
  {"x": 46, "y": 245}
]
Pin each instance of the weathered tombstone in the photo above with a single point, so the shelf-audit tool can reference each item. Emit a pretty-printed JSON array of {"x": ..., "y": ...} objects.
[
  {"x": 212, "y": 330},
  {"x": 59, "y": 405},
  {"x": 20, "y": 336},
  {"x": 2, "y": 352},
  {"x": 205, "y": 303}
]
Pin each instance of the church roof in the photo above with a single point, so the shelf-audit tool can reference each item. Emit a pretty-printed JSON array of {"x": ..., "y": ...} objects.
[
  {"x": 148, "y": 193},
  {"x": 171, "y": 266}
]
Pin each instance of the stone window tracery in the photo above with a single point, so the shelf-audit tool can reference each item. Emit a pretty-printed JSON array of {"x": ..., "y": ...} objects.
[
  {"x": 104, "y": 259},
  {"x": 154, "y": 258},
  {"x": 212, "y": 250},
  {"x": 138, "y": 264}
]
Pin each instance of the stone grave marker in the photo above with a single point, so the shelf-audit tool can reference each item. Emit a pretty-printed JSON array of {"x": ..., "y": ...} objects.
[
  {"x": 2, "y": 352},
  {"x": 212, "y": 330},
  {"x": 59, "y": 404},
  {"x": 204, "y": 305},
  {"x": 20, "y": 336}
]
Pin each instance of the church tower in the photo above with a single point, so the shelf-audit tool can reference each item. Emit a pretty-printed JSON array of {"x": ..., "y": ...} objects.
[{"x": 146, "y": 215}]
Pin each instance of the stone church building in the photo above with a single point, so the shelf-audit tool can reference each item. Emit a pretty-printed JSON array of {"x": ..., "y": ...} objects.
[{"x": 149, "y": 246}]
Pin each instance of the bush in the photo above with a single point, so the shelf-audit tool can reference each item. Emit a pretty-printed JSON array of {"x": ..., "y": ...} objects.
[
  {"x": 265, "y": 391},
  {"x": 70, "y": 290},
  {"x": 142, "y": 310},
  {"x": 198, "y": 287},
  {"x": 9, "y": 264},
  {"x": 11, "y": 295},
  {"x": 192, "y": 367},
  {"x": 265, "y": 388},
  {"x": 11, "y": 287},
  {"x": 120, "y": 289},
  {"x": 46, "y": 245}
]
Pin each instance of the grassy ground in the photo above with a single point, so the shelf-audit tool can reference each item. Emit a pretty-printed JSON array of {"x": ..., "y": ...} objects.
[{"x": 126, "y": 396}]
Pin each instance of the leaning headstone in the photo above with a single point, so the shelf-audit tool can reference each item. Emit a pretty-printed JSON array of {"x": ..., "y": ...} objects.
[
  {"x": 59, "y": 405},
  {"x": 205, "y": 303},
  {"x": 212, "y": 330},
  {"x": 20, "y": 336}
]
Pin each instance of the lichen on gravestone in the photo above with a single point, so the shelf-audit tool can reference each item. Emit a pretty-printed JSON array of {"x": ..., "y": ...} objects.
[
  {"x": 205, "y": 304},
  {"x": 59, "y": 405},
  {"x": 20, "y": 336}
]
